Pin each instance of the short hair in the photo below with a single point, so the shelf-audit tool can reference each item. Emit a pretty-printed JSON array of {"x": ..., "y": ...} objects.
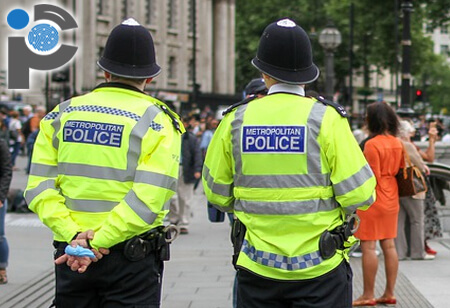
[
  {"x": 381, "y": 119},
  {"x": 41, "y": 109}
]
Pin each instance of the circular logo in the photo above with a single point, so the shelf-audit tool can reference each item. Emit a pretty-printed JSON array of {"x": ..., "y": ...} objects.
[
  {"x": 43, "y": 37},
  {"x": 18, "y": 19}
]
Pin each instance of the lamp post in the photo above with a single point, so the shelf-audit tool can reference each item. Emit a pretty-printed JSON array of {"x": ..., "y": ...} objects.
[
  {"x": 329, "y": 38},
  {"x": 405, "y": 107}
]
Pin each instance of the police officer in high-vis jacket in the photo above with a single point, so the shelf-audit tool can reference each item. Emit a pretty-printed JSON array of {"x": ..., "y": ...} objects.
[
  {"x": 290, "y": 169},
  {"x": 104, "y": 168}
]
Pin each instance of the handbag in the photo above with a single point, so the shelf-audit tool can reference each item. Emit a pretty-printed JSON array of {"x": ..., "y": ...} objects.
[{"x": 410, "y": 179}]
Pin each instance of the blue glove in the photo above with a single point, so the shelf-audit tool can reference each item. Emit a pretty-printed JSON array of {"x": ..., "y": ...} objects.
[{"x": 79, "y": 251}]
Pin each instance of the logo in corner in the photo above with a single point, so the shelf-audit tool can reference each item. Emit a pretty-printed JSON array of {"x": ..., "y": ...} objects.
[{"x": 38, "y": 51}]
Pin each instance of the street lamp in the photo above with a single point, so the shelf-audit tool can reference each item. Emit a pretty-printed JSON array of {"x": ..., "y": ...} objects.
[{"x": 329, "y": 38}]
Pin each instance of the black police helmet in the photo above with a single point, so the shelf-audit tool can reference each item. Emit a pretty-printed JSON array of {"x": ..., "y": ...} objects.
[
  {"x": 255, "y": 86},
  {"x": 285, "y": 53},
  {"x": 129, "y": 52}
]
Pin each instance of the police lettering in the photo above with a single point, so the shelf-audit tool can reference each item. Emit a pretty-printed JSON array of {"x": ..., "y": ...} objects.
[
  {"x": 93, "y": 133},
  {"x": 279, "y": 139},
  {"x": 276, "y": 143}
]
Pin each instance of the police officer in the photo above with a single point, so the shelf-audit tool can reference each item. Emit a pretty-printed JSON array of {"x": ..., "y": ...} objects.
[
  {"x": 104, "y": 168},
  {"x": 290, "y": 169}
]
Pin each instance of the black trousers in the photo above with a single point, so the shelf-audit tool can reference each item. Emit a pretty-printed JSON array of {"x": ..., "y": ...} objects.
[
  {"x": 112, "y": 282},
  {"x": 334, "y": 289}
]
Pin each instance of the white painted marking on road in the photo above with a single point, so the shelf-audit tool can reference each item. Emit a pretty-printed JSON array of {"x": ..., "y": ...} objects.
[{"x": 23, "y": 221}]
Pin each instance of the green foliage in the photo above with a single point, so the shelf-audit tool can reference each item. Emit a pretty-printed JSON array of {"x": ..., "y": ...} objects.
[{"x": 376, "y": 41}]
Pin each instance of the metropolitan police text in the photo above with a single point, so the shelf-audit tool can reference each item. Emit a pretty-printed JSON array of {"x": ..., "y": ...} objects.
[{"x": 274, "y": 139}]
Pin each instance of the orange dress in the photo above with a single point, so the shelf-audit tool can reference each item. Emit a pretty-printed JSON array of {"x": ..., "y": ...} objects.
[{"x": 385, "y": 157}]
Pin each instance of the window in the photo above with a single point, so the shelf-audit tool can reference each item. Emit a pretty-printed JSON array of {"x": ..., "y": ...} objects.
[
  {"x": 190, "y": 15},
  {"x": 124, "y": 9},
  {"x": 191, "y": 70},
  {"x": 100, "y": 52},
  {"x": 171, "y": 14},
  {"x": 444, "y": 29},
  {"x": 150, "y": 9},
  {"x": 171, "y": 74},
  {"x": 444, "y": 50},
  {"x": 100, "y": 7},
  {"x": 429, "y": 28}
]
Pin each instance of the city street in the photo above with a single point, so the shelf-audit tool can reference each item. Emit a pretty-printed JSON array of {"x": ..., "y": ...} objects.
[{"x": 199, "y": 274}]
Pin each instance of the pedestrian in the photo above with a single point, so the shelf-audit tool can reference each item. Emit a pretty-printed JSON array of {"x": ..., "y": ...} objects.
[
  {"x": 104, "y": 168},
  {"x": 5, "y": 181},
  {"x": 33, "y": 124},
  {"x": 290, "y": 169},
  {"x": 411, "y": 207},
  {"x": 432, "y": 225},
  {"x": 384, "y": 152},
  {"x": 189, "y": 172},
  {"x": 16, "y": 139}
]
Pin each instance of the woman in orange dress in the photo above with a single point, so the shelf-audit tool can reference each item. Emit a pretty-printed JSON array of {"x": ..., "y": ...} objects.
[{"x": 383, "y": 152}]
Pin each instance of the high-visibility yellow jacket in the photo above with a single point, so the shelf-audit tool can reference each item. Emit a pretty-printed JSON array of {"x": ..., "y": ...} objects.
[
  {"x": 106, "y": 161},
  {"x": 290, "y": 168}
]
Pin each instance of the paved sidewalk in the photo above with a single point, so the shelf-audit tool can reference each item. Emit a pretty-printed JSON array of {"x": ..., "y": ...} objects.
[{"x": 199, "y": 274}]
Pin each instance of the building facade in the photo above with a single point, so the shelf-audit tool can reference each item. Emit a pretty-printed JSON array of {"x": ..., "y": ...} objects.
[{"x": 171, "y": 24}]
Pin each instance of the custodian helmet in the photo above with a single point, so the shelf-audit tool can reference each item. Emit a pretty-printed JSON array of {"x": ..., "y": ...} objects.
[
  {"x": 285, "y": 53},
  {"x": 129, "y": 52},
  {"x": 255, "y": 86}
]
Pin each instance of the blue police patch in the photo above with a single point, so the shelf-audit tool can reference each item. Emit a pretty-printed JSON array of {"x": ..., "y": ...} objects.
[
  {"x": 273, "y": 139},
  {"x": 93, "y": 132}
]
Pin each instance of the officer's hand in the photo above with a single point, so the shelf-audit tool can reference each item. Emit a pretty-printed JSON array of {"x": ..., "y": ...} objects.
[
  {"x": 82, "y": 240},
  {"x": 79, "y": 264}
]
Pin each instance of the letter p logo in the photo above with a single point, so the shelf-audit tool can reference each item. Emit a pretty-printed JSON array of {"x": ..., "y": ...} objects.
[{"x": 43, "y": 38}]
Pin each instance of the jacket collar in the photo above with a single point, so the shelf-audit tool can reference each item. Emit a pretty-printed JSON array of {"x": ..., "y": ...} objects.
[{"x": 287, "y": 88}]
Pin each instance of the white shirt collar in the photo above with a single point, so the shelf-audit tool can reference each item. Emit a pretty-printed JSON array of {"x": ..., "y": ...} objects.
[{"x": 287, "y": 88}]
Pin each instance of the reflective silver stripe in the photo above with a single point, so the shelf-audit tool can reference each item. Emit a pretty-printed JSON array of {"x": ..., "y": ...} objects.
[
  {"x": 140, "y": 208},
  {"x": 43, "y": 170},
  {"x": 236, "y": 128},
  {"x": 352, "y": 208},
  {"x": 280, "y": 261},
  {"x": 313, "y": 148},
  {"x": 218, "y": 189},
  {"x": 283, "y": 181},
  {"x": 156, "y": 179},
  {"x": 353, "y": 182},
  {"x": 286, "y": 207},
  {"x": 166, "y": 206},
  {"x": 138, "y": 132},
  {"x": 57, "y": 123},
  {"x": 96, "y": 172},
  {"x": 43, "y": 186},
  {"x": 93, "y": 206}
]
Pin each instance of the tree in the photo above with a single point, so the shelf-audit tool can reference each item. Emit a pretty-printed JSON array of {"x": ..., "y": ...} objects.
[{"x": 374, "y": 28}]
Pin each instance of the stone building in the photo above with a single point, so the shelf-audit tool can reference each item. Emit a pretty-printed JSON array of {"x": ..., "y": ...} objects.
[{"x": 171, "y": 25}]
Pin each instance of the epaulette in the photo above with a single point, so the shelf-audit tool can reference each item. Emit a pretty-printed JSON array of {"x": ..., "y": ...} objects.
[
  {"x": 175, "y": 121},
  {"x": 341, "y": 110},
  {"x": 242, "y": 102}
]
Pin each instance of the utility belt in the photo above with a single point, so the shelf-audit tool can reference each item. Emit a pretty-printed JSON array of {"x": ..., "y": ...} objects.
[
  {"x": 157, "y": 240},
  {"x": 332, "y": 240},
  {"x": 329, "y": 241}
]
